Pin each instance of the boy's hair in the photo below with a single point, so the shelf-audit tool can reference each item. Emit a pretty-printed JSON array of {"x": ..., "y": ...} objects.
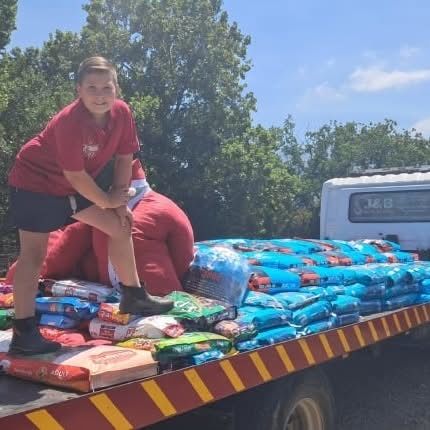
[{"x": 96, "y": 65}]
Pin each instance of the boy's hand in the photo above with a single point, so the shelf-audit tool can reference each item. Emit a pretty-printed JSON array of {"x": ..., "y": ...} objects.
[
  {"x": 125, "y": 216},
  {"x": 117, "y": 197}
]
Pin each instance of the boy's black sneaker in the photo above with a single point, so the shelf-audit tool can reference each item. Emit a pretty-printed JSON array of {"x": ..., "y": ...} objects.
[
  {"x": 136, "y": 300},
  {"x": 27, "y": 340}
]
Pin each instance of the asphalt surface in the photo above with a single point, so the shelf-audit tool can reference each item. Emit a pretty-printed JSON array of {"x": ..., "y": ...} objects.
[{"x": 389, "y": 392}]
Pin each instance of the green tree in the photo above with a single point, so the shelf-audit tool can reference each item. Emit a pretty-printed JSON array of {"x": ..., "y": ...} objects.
[
  {"x": 32, "y": 94},
  {"x": 8, "y": 9},
  {"x": 182, "y": 66},
  {"x": 337, "y": 150},
  {"x": 252, "y": 190}
]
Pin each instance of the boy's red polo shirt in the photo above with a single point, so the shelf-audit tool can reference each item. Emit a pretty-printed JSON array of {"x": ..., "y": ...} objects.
[{"x": 73, "y": 141}]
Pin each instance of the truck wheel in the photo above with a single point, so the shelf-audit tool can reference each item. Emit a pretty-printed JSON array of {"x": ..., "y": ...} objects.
[{"x": 297, "y": 402}]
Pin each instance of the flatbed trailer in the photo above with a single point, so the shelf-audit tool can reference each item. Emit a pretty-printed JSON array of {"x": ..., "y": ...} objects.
[{"x": 138, "y": 404}]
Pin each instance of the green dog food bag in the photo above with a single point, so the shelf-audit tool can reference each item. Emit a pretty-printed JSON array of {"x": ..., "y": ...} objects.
[{"x": 191, "y": 344}]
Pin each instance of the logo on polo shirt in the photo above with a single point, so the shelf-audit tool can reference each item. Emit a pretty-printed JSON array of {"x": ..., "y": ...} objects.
[{"x": 90, "y": 149}]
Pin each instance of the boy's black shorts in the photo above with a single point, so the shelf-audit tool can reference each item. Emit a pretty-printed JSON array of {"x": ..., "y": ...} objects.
[{"x": 43, "y": 213}]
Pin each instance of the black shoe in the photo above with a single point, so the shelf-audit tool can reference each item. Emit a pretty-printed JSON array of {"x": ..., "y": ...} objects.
[
  {"x": 135, "y": 300},
  {"x": 27, "y": 340}
]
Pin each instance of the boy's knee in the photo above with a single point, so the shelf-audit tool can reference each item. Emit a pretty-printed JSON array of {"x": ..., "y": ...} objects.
[{"x": 119, "y": 232}]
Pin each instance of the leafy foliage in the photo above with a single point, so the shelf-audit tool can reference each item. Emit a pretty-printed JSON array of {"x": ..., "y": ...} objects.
[
  {"x": 182, "y": 67},
  {"x": 8, "y": 9},
  {"x": 337, "y": 150}
]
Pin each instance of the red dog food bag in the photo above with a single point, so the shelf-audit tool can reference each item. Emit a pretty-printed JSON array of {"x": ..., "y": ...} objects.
[{"x": 83, "y": 369}]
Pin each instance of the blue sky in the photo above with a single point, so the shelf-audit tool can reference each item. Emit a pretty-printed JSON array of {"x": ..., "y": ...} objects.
[{"x": 316, "y": 60}]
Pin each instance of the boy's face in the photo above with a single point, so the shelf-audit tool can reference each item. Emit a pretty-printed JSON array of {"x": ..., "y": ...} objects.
[{"x": 98, "y": 92}]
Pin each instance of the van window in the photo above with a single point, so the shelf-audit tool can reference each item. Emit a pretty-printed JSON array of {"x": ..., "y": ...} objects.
[{"x": 390, "y": 206}]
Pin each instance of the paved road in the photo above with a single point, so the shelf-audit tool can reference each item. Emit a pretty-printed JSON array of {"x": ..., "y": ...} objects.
[{"x": 390, "y": 392}]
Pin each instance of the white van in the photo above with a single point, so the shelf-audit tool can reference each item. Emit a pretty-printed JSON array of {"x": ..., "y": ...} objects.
[{"x": 392, "y": 206}]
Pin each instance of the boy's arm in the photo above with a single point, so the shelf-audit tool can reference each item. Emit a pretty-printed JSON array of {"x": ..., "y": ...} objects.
[
  {"x": 84, "y": 184},
  {"x": 121, "y": 180},
  {"x": 122, "y": 171}
]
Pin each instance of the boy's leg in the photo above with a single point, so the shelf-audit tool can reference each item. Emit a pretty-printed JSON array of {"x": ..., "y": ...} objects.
[
  {"x": 121, "y": 252},
  {"x": 120, "y": 246},
  {"x": 32, "y": 253},
  {"x": 27, "y": 339}
]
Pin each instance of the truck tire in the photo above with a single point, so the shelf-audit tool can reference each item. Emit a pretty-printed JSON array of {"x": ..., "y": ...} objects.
[{"x": 298, "y": 402}]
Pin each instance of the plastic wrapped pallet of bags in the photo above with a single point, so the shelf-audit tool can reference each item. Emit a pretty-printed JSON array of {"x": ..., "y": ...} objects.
[
  {"x": 189, "y": 344},
  {"x": 244, "y": 245},
  {"x": 271, "y": 280},
  {"x": 153, "y": 327},
  {"x": 91, "y": 291},
  {"x": 267, "y": 337},
  {"x": 199, "y": 313},
  {"x": 218, "y": 273},
  {"x": 83, "y": 369}
]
